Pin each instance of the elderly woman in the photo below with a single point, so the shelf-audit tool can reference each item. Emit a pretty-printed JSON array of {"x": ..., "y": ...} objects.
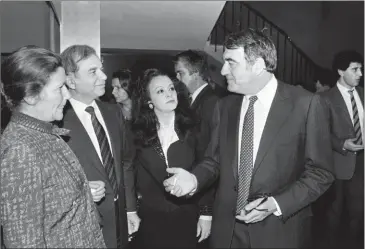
[
  {"x": 121, "y": 83},
  {"x": 162, "y": 125},
  {"x": 46, "y": 201}
]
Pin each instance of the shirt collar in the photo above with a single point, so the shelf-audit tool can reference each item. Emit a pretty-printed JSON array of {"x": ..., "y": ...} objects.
[
  {"x": 344, "y": 89},
  {"x": 197, "y": 91},
  {"x": 80, "y": 107},
  {"x": 267, "y": 94},
  {"x": 36, "y": 124}
]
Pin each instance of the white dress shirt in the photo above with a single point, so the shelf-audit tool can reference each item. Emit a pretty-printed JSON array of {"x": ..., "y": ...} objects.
[
  {"x": 261, "y": 111},
  {"x": 167, "y": 135},
  {"x": 85, "y": 119},
  {"x": 347, "y": 98},
  {"x": 197, "y": 91}
]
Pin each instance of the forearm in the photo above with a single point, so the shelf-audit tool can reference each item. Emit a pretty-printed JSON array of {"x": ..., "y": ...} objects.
[
  {"x": 317, "y": 175},
  {"x": 129, "y": 187},
  {"x": 337, "y": 144}
]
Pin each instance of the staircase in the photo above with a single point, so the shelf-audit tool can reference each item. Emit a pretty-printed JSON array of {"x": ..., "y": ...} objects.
[{"x": 293, "y": 65}]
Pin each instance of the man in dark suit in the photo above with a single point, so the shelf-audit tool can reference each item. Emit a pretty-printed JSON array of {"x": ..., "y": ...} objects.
[
  {"x": 270, "y": 147},
  {"x": 345, "y": 103},
  {"x": 98, "y": 138},
  {"x": 191, "y": 69}
]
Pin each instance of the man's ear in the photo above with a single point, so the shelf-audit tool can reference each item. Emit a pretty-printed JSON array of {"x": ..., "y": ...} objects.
[
  {"x": 32, "y": 100},
  {"x": 259, "y": 66},
  {"x": 70, "y": 82},
  {"x": 340, "y": 72}
]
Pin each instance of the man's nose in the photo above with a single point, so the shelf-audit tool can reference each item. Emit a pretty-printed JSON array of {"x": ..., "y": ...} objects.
[{"x": 65, "y": 93}]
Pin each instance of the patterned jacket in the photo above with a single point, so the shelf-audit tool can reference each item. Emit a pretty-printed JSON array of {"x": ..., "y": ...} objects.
[{"x": 46, "y": 201}]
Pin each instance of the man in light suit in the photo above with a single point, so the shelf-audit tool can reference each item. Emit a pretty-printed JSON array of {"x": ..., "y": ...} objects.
[
  {"x": 270, "y": 147},
  {"x": 345, "y": 103},
  {"x": 99, "y": 139}
]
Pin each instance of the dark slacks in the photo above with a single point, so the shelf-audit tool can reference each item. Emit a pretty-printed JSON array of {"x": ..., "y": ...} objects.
[
  {"x": 345, "y": 216},
  {"x": 175, "y": 229},
  {"x": 119, "y": 239}
]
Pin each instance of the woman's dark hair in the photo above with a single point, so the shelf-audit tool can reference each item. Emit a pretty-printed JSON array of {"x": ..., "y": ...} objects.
[
  {"x": 25, "y": 72},
  {"x": 125, "y": 79},
  {"x": 144, "y": 120}
]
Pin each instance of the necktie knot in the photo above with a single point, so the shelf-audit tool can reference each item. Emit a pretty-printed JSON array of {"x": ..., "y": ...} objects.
[
  {"x": 90, "y": 110},
  {"x": 253, "y": 99},
  {"x": 351, "y": 92}
]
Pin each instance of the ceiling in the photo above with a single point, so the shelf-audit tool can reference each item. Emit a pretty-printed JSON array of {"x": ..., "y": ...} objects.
[{"x": 157, "y": 25}]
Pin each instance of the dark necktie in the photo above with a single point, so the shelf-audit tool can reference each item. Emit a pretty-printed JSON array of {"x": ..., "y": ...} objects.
[
  {"x": 190, "y": 99},
  {"x": 106, "y": 154},
  {"x": 246, "y": 157},
  {"x": 355, "y": 115}
]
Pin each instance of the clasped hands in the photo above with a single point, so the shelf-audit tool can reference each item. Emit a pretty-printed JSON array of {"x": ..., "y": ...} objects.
[{"x": 257, "y": 210}]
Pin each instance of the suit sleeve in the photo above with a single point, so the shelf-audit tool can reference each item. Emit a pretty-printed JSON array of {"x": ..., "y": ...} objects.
[
  {"x": 206, "y": 198},
  {"x": 337, "y": 143},
  {"x": 128, "y": 168},
  {"x": 22, "y": 202},
  {"x": 207, "y": 171},
  {"x": 318, "y": 169}
]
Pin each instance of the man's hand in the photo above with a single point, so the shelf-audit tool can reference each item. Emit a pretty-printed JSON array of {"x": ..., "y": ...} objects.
[
  {"x": 203, "y": 229},
  {"x": 181, "y": 183},
  {"x": 254, "y": 212},
  {"x": 97, "y": 190},
  {"x": 133, "y": 222},
  {"x": 351, "y": 146}
]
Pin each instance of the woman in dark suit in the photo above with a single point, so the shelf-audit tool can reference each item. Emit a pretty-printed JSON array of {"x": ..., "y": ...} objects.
[
  {"x": 46, "y": 200},
  {"x": 162, "y": 126}
]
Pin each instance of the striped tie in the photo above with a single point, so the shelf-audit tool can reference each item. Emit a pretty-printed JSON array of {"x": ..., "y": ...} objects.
[
  {"x": 106, "y": 154},
  {"x": 246, "y": 157},
  {"x": 355, "y": 115}
]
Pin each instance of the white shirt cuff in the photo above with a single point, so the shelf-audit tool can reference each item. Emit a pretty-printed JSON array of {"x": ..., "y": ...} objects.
[
  {"x": 132, "y": 212},
  {"x": 278, "y": 210},
  {"x": 205, "y": 217}
]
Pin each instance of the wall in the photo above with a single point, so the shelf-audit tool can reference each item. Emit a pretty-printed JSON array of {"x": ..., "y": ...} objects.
[
  {"x": 24, "y": 23},
  {"x": 341, "y": 30},
  {"x": 320, "y": 29}
]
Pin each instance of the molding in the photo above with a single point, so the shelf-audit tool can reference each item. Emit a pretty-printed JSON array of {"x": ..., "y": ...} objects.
[{"x": 51, "y": 6}]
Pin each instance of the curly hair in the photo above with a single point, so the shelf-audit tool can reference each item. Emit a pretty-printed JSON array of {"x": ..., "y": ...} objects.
[{"x": 144, "y": 120}]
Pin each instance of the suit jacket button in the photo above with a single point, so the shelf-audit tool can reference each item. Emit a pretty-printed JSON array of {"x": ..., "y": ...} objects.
[{"x": 235, "y": 188}]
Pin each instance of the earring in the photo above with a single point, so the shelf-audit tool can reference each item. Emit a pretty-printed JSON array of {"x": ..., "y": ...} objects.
[{"x": 150, "y": 105}]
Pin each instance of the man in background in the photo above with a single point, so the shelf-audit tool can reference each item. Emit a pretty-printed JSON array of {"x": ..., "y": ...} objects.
[
  {"x": 345, "y": 104},
  {"x": 191, "y": 69}
]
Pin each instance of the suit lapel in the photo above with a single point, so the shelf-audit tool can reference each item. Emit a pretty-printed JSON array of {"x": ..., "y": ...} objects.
[
  {"x": 112, "y": 126},
  {"x": 340, "y": 103},
  {"x": 199, "y": 97},
  {"x": 280, "y": 110},
  {"x": 80, "y": 139},
  {"x": 233, "y": 132}
]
